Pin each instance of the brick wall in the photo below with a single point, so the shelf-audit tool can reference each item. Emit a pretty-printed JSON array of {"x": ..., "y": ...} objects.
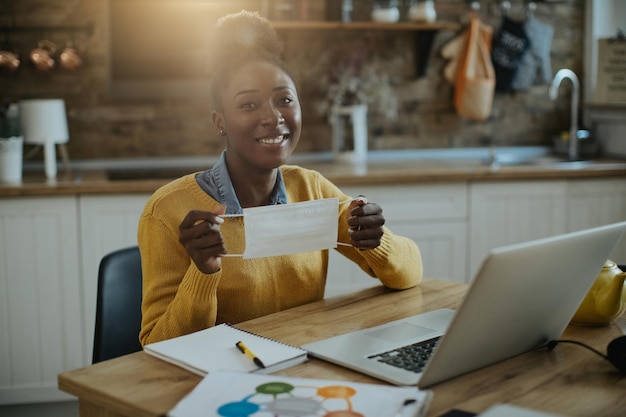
[{"x": 103, "y": 126}]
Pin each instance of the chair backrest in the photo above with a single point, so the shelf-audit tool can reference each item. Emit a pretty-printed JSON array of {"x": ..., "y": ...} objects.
[{"x": 118, "y": 307}]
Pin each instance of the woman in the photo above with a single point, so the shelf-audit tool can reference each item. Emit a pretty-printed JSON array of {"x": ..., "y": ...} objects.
[{"x": 189, "y": 281}]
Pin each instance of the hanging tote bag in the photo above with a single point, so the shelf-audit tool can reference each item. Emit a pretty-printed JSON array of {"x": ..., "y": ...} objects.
[{"x": 475, "y": 77}]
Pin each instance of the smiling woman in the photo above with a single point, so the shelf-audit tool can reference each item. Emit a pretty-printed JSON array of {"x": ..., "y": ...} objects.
[{"x": 190, "y": 226}]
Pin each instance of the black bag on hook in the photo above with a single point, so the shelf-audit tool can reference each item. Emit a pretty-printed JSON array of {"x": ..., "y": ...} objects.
[{"x": 508, "y": 47}]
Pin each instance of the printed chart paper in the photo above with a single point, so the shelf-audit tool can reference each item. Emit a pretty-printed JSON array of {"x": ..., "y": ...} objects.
[{"x": 233, "y": 394}]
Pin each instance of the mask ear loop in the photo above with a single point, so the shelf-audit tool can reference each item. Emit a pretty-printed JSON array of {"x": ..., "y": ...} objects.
[{"x": 616, "y": 351}]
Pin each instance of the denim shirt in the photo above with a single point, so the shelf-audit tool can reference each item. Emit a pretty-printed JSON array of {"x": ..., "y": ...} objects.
[{"x": 216, "y": 182}]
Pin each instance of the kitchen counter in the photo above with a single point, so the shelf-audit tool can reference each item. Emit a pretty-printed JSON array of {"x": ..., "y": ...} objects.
[{"x": 386, "y": 168}]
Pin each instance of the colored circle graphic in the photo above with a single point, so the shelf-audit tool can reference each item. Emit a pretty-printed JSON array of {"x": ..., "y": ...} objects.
[
  {"x": 294, "y": 407},
  {"x": 274, "y": 388},
  {"x": 238, "y": 409},
  {"x": 336, "y": 391}
]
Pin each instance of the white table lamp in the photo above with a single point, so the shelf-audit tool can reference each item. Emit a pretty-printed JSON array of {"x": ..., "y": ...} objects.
[{"x": 44, "y": 122}]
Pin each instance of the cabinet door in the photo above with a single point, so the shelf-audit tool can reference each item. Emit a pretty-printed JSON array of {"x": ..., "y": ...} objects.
[
  {"x": 40, "y": 305},
  {"x": 107, "y": 223},
  {"x": 434, "y": 216},
  {"x": 442, "y": 246},
  {"x": 513, "y": 212},
  {"x": 594, "y": 203}
]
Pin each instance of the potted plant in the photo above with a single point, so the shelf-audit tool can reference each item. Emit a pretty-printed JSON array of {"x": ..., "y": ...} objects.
[
  {"x": 353, "y": 87},
  {"x": 353, "y": 80}
]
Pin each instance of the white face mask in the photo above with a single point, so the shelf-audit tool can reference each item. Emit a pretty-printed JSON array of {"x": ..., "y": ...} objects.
[{"x": 290, "y": 228}]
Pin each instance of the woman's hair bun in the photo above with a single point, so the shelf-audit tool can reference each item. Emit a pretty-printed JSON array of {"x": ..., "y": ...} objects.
[
  {"x": 244, "y": 33},
  {"x": 240, "y": 38}
]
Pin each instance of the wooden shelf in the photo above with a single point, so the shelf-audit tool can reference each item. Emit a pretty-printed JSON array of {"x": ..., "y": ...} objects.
[
  {"x": 88, "y": 29},
  {"x": 424, "y": 32},
  {"x": 337, "y": 25}
]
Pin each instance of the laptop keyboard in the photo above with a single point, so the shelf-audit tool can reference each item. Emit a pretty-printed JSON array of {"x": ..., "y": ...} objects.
[{"x": 411, "y": 357}]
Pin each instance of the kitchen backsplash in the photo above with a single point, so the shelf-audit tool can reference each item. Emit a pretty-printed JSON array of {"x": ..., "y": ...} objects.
[{"x": 104, "y": 125}]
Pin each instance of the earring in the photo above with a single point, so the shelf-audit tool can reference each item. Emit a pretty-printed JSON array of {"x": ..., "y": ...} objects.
[{"x": 222, "y": 132}]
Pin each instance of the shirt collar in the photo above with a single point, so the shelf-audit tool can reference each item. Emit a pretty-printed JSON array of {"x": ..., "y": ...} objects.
[{"x": 217, "y": 183}]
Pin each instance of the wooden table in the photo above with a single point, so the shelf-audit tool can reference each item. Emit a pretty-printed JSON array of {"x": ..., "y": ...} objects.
[{"x": 569, "y": 380}]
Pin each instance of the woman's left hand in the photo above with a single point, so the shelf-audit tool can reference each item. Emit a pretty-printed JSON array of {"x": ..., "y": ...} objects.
[{"x": 366, "y": 222}]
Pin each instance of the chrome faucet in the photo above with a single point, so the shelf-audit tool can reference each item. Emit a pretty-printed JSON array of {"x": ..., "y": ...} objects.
[{"x": 554, "y": 93}]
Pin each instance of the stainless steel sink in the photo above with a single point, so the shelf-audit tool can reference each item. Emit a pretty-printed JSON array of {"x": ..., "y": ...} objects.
[
  {"x": 563, "y": 163},
  {"x": 546, "y": 161}
]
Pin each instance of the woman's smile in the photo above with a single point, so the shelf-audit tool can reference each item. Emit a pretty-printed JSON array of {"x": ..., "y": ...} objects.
[{"x": 281, "y": 140}]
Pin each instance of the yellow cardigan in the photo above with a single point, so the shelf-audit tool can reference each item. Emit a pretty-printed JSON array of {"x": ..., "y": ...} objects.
[{"x": 179, "y": 299}]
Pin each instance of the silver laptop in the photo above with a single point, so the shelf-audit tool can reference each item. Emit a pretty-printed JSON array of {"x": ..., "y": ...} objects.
[{"x": 522, "y": 296}]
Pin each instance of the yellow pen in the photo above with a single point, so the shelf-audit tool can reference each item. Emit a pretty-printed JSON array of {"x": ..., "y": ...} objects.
[{"x": 244, "y": 349}]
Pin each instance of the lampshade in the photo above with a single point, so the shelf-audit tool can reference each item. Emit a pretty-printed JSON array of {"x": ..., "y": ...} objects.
[{"x": 43, "y": 121}]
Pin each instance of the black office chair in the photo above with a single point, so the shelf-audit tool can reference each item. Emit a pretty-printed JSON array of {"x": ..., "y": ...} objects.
[{"x": 118, "y": 308}]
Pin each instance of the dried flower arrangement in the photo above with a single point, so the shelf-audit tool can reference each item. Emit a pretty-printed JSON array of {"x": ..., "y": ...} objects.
[{"x": 353, "y": 79}]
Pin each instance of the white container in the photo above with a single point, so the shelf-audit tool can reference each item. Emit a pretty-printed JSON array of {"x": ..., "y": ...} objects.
[
  {"x": 354, "y": 150},
  {"x": 385, "y": 14},
  {"x": 11, "y": 151},
  {"x": 423, "y": 11}
]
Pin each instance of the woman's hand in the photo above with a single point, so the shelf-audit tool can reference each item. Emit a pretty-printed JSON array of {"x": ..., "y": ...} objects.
[
  {"x": 366, "y": 223},
  {"x": 200, "y": 235}
]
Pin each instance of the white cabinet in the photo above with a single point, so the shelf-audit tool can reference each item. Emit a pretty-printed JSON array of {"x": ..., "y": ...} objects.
[
  {"x": 434, "y": 216},
  {"x": 503, "y": 213},
  {"x": 107, "y": 223},
  {"x": 595, "y": 203},
  {"x": 40, "y": 299}
]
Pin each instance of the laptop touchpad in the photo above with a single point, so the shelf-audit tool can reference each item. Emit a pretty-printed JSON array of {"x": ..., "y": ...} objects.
[{"x": 400, "y": 332}]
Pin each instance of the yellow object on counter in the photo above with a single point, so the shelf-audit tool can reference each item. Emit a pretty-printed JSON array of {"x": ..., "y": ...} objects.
[{"x": 606, "y": 300}]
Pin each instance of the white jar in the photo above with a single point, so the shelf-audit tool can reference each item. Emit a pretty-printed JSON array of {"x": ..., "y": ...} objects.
[
  {"x": 11, "y": 160},
  {"x": 423, "y": 11},
  {"x": 386, "y": 12}
]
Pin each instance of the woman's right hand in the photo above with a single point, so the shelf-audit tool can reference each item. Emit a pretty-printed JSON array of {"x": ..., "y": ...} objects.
[{"x": 201, "y": 236}]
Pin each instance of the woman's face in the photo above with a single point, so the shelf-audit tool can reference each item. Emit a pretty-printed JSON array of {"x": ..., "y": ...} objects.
[{"x": 260, "y": 116}]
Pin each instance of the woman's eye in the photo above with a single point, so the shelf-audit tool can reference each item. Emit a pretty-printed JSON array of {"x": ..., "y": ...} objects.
[
  {"x": 247, "y": 105},
  {"x": 286, "y": 100}
]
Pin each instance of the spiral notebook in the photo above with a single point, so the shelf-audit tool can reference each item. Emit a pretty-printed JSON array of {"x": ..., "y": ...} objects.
[{"x": 215, "y": 349}]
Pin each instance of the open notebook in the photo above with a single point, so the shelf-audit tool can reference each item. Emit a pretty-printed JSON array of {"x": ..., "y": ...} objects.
[{"x": 215, "y": 349}]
